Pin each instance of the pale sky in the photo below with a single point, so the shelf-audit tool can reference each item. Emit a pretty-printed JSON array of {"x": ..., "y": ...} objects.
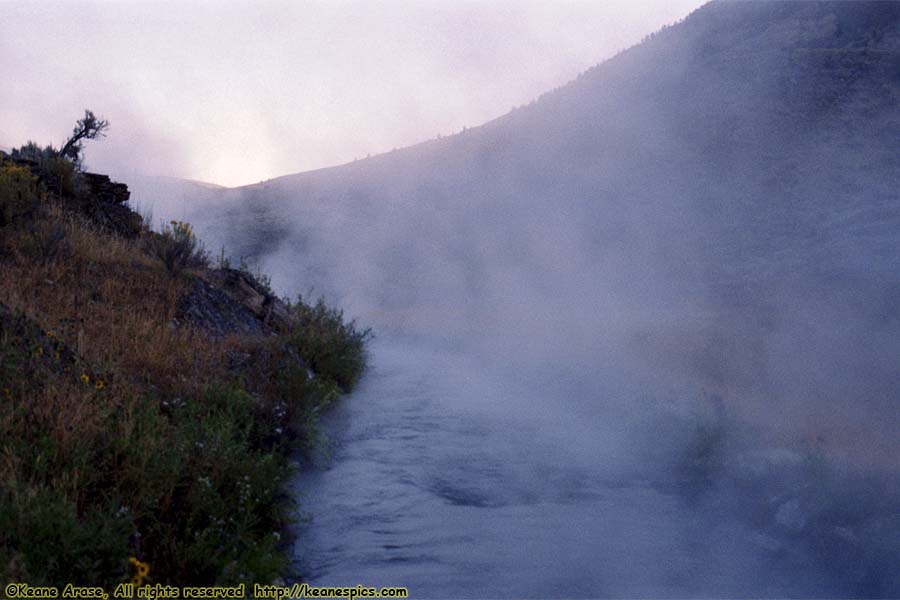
[{"x": 238, "y": 92}]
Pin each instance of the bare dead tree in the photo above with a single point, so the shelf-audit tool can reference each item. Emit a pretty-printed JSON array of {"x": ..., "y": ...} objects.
[{"x": 88, "y": 128}]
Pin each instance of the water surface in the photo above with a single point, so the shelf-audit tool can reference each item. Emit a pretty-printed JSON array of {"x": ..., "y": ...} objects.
[{"x": 429, "y": 486}]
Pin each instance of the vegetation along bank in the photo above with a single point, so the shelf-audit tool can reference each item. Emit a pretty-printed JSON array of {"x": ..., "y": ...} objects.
[{"x": 150, "y": 398}]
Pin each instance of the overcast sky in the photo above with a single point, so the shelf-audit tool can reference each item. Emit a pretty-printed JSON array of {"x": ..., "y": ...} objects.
[{"x": 237, "y": 92}]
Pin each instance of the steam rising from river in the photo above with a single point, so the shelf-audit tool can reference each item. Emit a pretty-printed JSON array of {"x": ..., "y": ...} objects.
[
  {"x": 622, "y": 409},
  {"x": 617, "y": 339}
]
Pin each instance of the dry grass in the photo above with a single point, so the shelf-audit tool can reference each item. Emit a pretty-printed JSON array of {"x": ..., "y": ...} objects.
[
  {"x": 101, "y": 419},
  {"x": 114, "y": 305}
]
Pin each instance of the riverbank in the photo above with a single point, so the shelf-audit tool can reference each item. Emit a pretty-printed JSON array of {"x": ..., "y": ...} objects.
[{"x": 150, "y": 398}]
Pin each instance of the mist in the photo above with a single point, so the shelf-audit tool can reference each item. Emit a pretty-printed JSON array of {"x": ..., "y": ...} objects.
[
  {"x": 636, "y": 338},
  {"x": 239, "y": 92}
]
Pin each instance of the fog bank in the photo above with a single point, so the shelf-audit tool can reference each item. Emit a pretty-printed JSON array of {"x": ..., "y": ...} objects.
[{"x": 676, "y": 274}]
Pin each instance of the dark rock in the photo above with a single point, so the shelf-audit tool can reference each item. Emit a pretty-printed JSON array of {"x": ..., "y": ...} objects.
[
  {"x": 244, "y": 288},
  {"x": 103, "y": 190},
  {"x": 213, "y": 310},
  {"x": 103, "y": 201},
  {"x": 231, "y": 301},
  {"x": 278, "y": 316},
  {"x": 237, "y": 359}
]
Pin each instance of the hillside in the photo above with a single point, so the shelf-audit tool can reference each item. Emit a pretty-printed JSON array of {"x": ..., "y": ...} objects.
[
  {"x": 718, "y": 204},
  {"x": 757, "y": 139},
  {"x": 150, "y": 398}
]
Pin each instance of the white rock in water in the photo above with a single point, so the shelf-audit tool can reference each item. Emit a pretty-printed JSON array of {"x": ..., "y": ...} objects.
[
  {"x": 766, "y": 542},
  {"x": 790, "y": 516}
]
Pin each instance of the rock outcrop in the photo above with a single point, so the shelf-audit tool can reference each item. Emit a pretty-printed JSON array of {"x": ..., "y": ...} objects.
[
  {"x": 95, "y": 195},
  {"x": 105, "y": 190},
  {"x": 244, "y": 288},
  {"x": 104, "y": 201},
  {"x": 229, "y": 301},
  {"x": 210, "y": 309}
]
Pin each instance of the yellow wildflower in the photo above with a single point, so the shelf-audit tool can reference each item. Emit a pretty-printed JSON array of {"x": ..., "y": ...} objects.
[
  {"x": 99, "y": 384},
  {"x": 141, "y": 568},
  {"x": 85, "y": 378},
  {"x": 39, "y": 350}
]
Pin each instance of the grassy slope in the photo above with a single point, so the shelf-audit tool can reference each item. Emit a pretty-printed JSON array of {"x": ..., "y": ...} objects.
[{"x": 125, "y": 436}]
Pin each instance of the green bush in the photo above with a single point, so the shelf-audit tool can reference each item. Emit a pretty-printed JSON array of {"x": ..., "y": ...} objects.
[
  {"x": 178, "y": 248},
  {"x": 231, "y": 490},
  {"x": 18, "y": 192},
  {"x": 58, "y": 173},
  {"x": 55, "y": 545},
  {"x": 334, "y": 349}
]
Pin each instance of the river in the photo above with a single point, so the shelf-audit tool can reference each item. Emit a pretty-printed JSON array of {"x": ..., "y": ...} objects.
[{"x": 426, "y": 484}]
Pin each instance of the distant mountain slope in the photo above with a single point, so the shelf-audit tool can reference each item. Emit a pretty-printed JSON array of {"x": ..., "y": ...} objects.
[
  {"x": 758, "y": 130},
  {"x": 720, "y": 201}
]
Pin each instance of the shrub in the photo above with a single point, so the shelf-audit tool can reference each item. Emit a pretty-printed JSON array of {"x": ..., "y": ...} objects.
[
  {"x": 59, "y": 174},
  {"x": 232, "y": 496},
  {"x": 56, "y": 545},
  {"x": 335, "y": 350},
  {"x": 178, "y": 248},
  {"x": 18, "y": 192},
  {"x": 31, "y": 151}
]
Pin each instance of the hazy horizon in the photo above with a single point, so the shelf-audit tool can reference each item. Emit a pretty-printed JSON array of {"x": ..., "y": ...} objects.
[{"x": 240, "y": 92}]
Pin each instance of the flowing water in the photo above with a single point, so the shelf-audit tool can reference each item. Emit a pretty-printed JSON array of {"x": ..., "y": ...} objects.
[{"x": 428, "y": 486}]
